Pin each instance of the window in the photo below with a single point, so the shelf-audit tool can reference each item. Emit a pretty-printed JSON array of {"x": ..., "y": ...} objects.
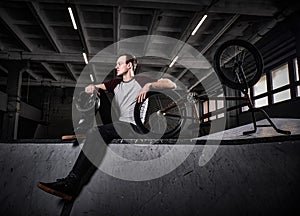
[
  {"x": 261, "y": 102},
  {"x": 281, "y": 82},
  {"x": 280, "y": 77},
  {"x": 205, "y": 109},
  {"x": 213, "y": 105},
  {"x": 245, "y": 108},
  {"x": 297, "y": 76},
  {"x": 260, "y": 88},
  {"x": 282, "y": 96},
  {"x": 220, "y": 105},
  {"x": 296, "y": 69}
]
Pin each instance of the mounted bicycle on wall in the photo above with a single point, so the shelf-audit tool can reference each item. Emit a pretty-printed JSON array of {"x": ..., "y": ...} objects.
[{"x": 238, "y": 64}]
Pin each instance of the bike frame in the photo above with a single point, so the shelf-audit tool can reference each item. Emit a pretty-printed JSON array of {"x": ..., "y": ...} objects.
[{"x": 199, "y": 99}]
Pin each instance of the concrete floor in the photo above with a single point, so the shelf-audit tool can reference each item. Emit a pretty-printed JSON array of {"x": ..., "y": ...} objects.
[{"x": 247, "y": 179}]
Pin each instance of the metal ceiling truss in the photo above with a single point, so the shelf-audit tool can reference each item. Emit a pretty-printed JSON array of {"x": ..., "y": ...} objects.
[{"x": 101, "y": 23}]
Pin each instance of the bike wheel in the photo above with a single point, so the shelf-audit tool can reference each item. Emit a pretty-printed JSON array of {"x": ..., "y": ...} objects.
[
  {"x": 155, "y": 122},
  {"x": 234, "y": 55},
  {"x": 86, "y": 102}
]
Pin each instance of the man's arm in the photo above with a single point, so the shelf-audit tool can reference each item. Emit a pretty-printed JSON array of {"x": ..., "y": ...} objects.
[
  {"x": 163, "y": 84},
  {"x": 159, "y": 84},
  {"x": 91, "y": 88}
]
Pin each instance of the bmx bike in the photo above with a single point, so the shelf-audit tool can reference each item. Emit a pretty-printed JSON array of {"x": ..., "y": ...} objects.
[
  {"x": 238, "y": 64},
  {"x": 87, "y": 105}
]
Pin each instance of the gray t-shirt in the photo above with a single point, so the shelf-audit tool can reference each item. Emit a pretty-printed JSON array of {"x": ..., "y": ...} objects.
[{"x": 125, "y": 96}]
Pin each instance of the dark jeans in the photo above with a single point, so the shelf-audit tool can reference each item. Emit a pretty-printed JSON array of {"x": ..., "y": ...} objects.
[
  {"x": 116, "y": 130},
  {"x": 94, "y": 149}
]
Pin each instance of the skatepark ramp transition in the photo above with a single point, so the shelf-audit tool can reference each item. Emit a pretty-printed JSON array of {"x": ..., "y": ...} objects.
[{"x": 258, "y": 177}]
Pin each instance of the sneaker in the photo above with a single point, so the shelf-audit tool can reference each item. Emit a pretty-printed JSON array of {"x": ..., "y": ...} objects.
[{"x": 66, "y": 188}]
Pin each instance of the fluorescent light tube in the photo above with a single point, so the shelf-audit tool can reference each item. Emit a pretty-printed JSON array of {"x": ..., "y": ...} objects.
[
  {"x": 72, "y": 17},
  {"x": 85, "y": 58},
  {"x": 199, "y": 24},
  {"x": 173, "y": 62},
  {"x": 92, "y": 78}
]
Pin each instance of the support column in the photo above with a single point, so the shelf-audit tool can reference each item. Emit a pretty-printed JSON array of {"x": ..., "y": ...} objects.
[
  {"x": 297, "y": 35},
  {"x": 14, "y": 83},
  {"x": 295, "y": 28}
]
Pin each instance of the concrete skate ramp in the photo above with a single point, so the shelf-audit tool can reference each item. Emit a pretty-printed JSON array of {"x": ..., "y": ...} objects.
[{"x": 246, "y": 179}]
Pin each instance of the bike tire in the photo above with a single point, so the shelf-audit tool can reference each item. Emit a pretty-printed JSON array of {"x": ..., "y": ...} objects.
[
  {"x": 86, "y": 102},
  {"x": 225, "y": 60},
  {"x": 153, "y": 122}
]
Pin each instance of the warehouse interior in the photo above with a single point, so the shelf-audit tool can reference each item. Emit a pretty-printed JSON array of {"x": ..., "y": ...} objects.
[{"x": 43, "y": 57}]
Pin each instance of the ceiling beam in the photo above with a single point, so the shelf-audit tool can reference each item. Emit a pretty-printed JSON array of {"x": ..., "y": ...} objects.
[
  {"x": 171, "y": 5},
  {"x": 263, "y": 29},
  {"x": 116, "y": 27},
  {"x": 98, "y": 25},
  {"x": 95, "y": 8},
  {"x": 18, "y": 34},
  {"x": 180, "y": 14},
  {"x": 169, "y": 29},
  {"x": 67, "y": 37},
  {"x": 184, "y": 36},
  {"x": 50, "y": 71},
  {"x": 136, "y": 11},
  {"x": 103, "y": 59},
  {"x": 23, "y": 22},
  {"x": 87, "y": 25},
  {"x": 34, "y": 75},
  {"x": 257, "y": 8},
  {"x": 66, "y": 24},
  {"x": 134, "y": 27},
  {"x": 47, "y": 82},
  {"x": 36, "y": 10},
  {"x": 186, "y": 33},
  {"x": 209, "y": 73},
  {"x": 43, "y": 57},
  {"x": 69, "y": 69},
  {"x": 190, "y": 2},
  {"x": 3, "y": 69},
  {"x": 245, "y": 7},
  {"x": 230, "y": 22},
  {"x": 102, "y": 39},
  {"x": 1, "y": 46},
  {"x": 81, "y": 29},
  {"x": 156, "y": 17},
  {"x": 182, "y": 74}
]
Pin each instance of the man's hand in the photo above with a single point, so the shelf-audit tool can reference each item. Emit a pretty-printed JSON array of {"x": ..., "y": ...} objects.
[
  {"x": 142, "y": 94},
  {"x": 90, "y": 89}
]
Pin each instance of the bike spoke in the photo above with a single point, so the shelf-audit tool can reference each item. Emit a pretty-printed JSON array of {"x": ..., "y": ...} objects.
[{"x": 238, "y": 63}]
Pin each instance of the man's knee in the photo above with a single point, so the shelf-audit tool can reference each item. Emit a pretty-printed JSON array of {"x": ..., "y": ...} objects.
[{"x": 106, "y": 132}]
